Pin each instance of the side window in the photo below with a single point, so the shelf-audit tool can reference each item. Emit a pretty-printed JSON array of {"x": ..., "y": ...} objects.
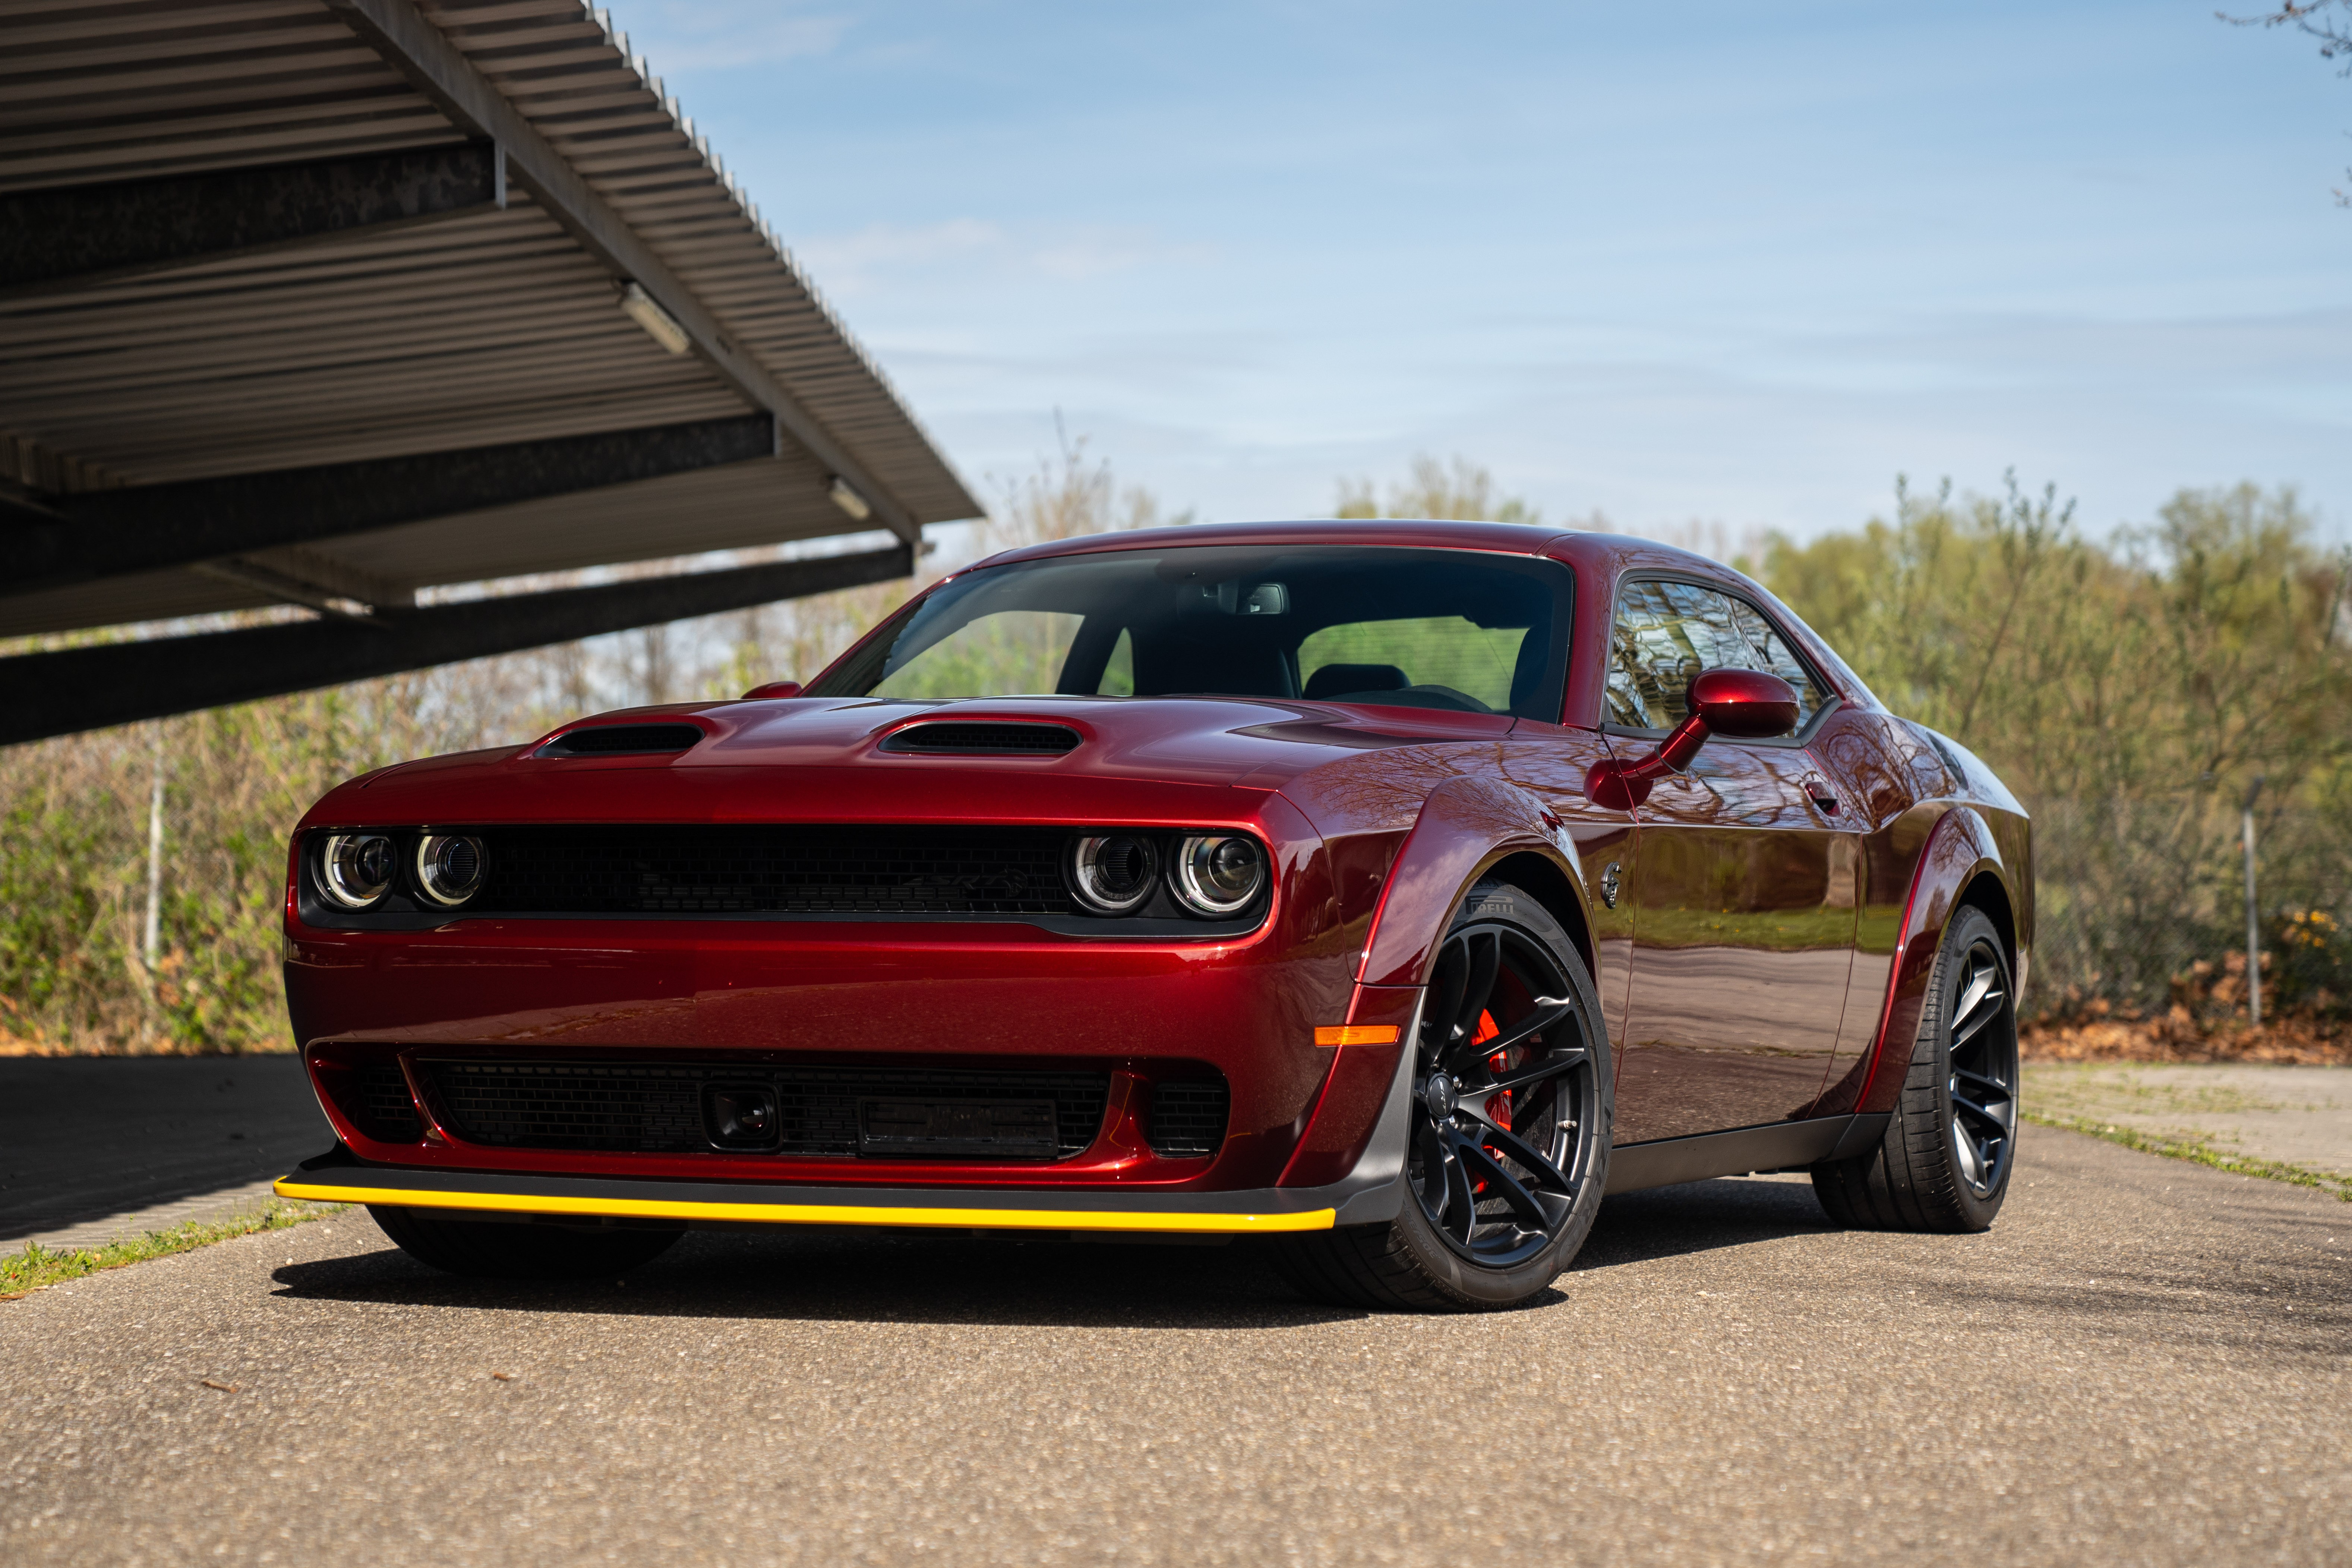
[{"x": 1668, "y": 632}]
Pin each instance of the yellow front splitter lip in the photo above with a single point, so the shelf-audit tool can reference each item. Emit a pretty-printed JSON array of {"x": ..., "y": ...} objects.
[{"x": 958, "y": 1217}]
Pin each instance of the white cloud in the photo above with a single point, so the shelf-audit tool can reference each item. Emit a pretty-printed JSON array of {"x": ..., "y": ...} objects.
[
  {"x": 838, "y": 259},
  {"x": 865, "y": 259},
  {"x": 1100, "y": 252},
  {"x": 693, "y": 35}
]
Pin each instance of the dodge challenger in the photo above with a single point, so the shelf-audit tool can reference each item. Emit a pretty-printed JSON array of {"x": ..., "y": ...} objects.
[{"x": 1390, "y": 892}]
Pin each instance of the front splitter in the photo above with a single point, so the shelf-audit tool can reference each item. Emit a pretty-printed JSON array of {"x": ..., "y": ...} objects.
[{"x": 335, "y": 1177}]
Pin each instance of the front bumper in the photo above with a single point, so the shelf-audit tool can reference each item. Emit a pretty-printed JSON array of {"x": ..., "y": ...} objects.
[{"x": 1369, "y": 1193}]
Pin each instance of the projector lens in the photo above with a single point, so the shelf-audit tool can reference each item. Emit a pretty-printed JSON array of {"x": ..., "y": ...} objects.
[
  {"x": 355, "y": 869},
  {"x": 1112, "y": 874},
  {"x": 1218, "y": 874},
  {"x": 449, "y": 868}
]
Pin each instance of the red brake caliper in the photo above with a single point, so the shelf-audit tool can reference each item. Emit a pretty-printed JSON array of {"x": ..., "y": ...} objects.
[{"x": 1498, "y": 1106}]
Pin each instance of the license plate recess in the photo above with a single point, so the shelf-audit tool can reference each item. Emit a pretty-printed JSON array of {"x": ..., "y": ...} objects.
[{"x": 904, "y": 1128}]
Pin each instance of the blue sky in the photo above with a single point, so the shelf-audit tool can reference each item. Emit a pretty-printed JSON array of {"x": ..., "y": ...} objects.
[{"x": 1732, "y": 264}]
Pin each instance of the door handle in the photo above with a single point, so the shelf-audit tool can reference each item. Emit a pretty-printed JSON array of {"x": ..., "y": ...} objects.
[{"x": 1818, "y": 791}]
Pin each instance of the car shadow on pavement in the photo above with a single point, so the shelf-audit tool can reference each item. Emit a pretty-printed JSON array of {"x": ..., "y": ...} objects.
[
  {"x": 869, "y": 1277},
  {"x": 900, "y": 1276},
  {"x": 1699, "y": 1216}
]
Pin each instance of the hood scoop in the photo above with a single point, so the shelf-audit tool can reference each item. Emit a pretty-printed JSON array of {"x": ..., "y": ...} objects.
[
  {"x": 994, "y": 738},
  {"x": 622, "y": 740}
]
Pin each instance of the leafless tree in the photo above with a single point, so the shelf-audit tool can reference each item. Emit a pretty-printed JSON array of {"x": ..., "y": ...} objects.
[{"x": 2329, "y": 21}]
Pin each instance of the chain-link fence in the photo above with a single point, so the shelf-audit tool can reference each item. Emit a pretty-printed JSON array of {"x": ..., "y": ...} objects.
[{"x": 2140, "y": 904}]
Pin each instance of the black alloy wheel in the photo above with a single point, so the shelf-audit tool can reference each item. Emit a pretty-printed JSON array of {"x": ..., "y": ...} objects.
[
  {"x": 1507, "y": 1143},
  {"x": 1982, "y": 1086},
  {"x": 1945, "y": 1161},
  {"x": 1495, "y": 1106}
]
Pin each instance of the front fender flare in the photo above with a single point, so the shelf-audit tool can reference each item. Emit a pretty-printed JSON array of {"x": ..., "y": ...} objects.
[{"x": 1465, "y": 825}]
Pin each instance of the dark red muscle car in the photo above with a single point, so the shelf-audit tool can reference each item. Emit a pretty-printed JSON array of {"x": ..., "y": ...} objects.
[{"x": 1395, "y": 890}]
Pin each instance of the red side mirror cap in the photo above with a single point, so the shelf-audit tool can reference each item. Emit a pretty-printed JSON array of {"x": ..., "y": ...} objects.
[
  {"x": 1744, "y": 704},
  {"x": 774, "y": 688}
]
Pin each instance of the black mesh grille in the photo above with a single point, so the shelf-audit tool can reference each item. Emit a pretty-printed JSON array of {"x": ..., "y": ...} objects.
[
  {"x": 621, "y": 740},
  {"x": 659, "y": 1108},
  {"x": 384, "y": 1111},
  {"x": 970, "y": 739},
  {"x": 532, "y": 1105},
  {"x": 774, "y": 870},
  {"x": 1187, "y": 1119}
]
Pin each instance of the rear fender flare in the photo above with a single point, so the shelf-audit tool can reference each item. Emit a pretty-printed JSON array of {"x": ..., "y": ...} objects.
[{"x": 1960, "y": 848}]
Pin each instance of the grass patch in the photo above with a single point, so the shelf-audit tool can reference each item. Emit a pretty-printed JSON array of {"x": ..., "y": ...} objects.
[
  {"x": 2200, "y": 1151},
  {"x": 2072, "y": 1087},
  {"x": 22, "y": 1273}
]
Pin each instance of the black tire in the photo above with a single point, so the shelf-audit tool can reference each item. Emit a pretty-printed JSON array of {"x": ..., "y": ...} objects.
[
  {"x": 509, "y": 1249},
  {"x": 1483, "y": 1227},
  {"x": 1945, "y": 1163}
]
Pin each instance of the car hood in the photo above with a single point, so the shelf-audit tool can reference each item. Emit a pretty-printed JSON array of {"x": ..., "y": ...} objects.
[
  {"x": 822, "y": 757},
  {"x": 1173, "y": 739}
]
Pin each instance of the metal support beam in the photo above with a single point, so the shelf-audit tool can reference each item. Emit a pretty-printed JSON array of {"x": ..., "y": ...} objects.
[
  {"x": 22, "y": 503},
  {"x": 439, "y": 69},
  {"x": 45, "y": 694},
  {"x": 144, "y": 528},
  {"x": 80, "y": 235},
  {"x": 297, "y": 576}
]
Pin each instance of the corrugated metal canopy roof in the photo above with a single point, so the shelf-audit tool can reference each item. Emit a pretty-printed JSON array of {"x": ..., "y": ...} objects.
[{"x": 317, "y": 346}]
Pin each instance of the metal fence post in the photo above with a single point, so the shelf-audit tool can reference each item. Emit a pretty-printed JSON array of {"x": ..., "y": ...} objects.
[
  {"x": 150, "y": 933},
  {"x": 2253, "y": 925}
]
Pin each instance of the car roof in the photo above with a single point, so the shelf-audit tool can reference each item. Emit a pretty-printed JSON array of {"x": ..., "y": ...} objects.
[
  {"x": 1615, "y": 553},
  {"x": 1514, "y": 538}
]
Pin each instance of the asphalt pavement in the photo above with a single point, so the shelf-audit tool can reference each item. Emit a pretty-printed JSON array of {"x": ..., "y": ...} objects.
[
  {"x": 2146, "y": 1362},
  {"x": 94, "y": 1146}
]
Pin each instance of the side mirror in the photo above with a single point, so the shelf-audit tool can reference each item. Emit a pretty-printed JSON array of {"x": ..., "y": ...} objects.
[
  {"x": 774, "y": 688},
  {"x": 1745, "y": 704}
]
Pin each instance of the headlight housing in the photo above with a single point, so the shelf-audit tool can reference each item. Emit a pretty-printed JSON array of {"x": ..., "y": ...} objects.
[
  {"x": 356, "y": 869},
  {"x": 1113, "y": 873},
  {"x": 448, "y": 868},
  {"x": 1219, "y": 874}
]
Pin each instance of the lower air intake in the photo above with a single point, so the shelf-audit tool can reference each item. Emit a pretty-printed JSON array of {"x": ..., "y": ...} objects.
[
  {"x": 1187, "y": 1120},
  {"x": 384, "y": 1111},
  {"x": 645, "y": 1108}
]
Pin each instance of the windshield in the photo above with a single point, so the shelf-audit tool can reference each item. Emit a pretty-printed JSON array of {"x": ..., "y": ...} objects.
[{"x": 1457, "y": 629}]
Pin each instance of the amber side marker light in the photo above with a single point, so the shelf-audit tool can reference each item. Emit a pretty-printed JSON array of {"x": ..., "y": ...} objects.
[{"x": 1358, "y": 1034}]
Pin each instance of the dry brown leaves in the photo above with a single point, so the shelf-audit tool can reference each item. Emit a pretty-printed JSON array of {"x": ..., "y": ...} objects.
[{"x": 2305, "y": 1041}]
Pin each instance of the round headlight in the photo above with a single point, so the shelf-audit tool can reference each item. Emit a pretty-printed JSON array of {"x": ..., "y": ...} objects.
[
  {"x": 448, "y": 868},
  {"x": 355, "y": 869},
  {"x": 1112, "y": 874},
  {"x": 1219, "y": 873}
]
